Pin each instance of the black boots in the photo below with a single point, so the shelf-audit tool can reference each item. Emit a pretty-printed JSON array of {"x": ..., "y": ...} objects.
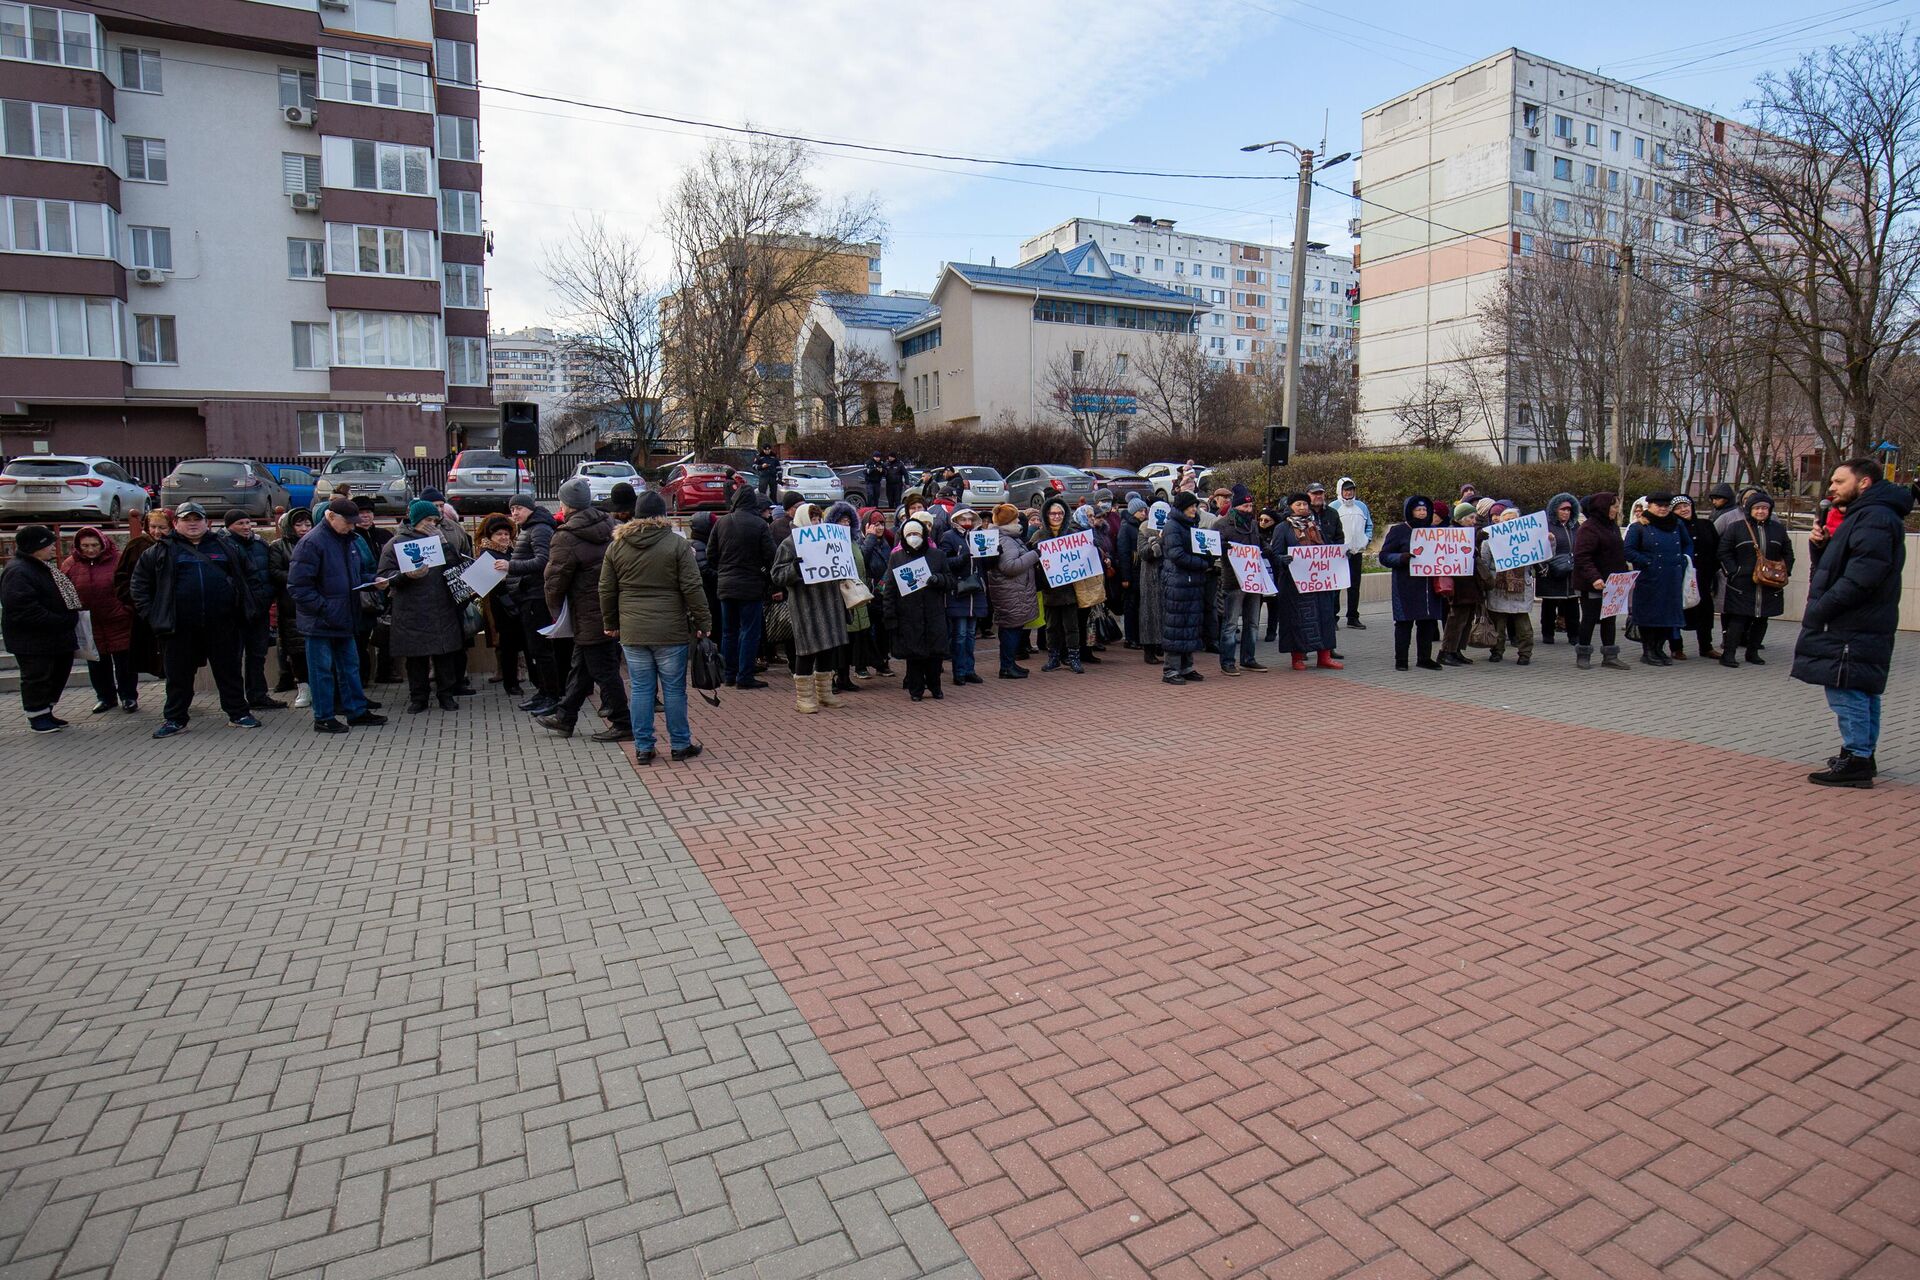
[{"x": 1846, "y": 771}]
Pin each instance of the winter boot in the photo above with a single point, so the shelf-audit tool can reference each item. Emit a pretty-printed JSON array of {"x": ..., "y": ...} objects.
[
  {"x": 823, "y": 689},
  {"x": 302, "y": 697},
  {"x": 1074, "y": 657},
  {"x": 1846, "y": 771},
  {"x": 1610, "y": 658},
  {"x": 1325, "y": 659},
  {"x": 1583, "y": 656},
  {"x": 806, "y": 695}
]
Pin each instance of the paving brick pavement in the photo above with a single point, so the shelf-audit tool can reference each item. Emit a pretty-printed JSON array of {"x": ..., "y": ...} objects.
[
  {"x": 444, "y": 999},
  {"x": 1317, "y": 974}
]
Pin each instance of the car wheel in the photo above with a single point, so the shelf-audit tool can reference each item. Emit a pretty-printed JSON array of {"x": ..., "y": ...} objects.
[{"x": 113, "y": 512}]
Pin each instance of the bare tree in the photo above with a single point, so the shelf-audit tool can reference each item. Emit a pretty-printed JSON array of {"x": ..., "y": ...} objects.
[
  {"x": 753, "y": 243},
  {"x": 609, "y": 313},
  {"x": 860, "y": 378},
  {"x": 1432, "y": 415},
  {"x": 1090, "y": 390},
  {"x": 1817, "y": 218},
  {"x": 1174, "y": 382}
]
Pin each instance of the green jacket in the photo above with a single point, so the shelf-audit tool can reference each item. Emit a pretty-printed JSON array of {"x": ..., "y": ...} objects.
[{"x": 650, "y": 588}]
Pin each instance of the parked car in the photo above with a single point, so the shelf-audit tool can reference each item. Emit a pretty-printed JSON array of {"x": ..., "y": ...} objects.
[
  {"x": 485, "y": 480},
  {"x": 52, "y": 486},
  {"x": 814, "y": 481},
  {"x": 1162, "y": 475},
  {"x": 700, "y": 486},
  {"x": 366, "y": 473},
  {"x": 602, "y": 476},
  {"x": 220, "y": 484},
  {"x": 1028, "y": 486},
  {"x": 986, "y": 488},
  {"x": 296, "y": 479},
  {"x": 853, "y": 483},
  {"x": 1122, "y": 483}
]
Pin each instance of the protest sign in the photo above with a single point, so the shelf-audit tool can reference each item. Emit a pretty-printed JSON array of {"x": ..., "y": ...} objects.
[
  {"x": 1158, "y": 513},
  {"x": 562, "y": 626},
  {"x": 1256, "y": 575},
  {"x": 484, "y": 574},
  {"x": 1618, "y": 594},
  {"x": 420, "y": 553},
  {"x": 826, "y": 552},
  {"x": 1441, "y": 553},
  {"x": 1067, "y": 560},
  {"x": 983, "y": 542},
  {"x": 912, "y": 576},
  {"x": 1321, "y": 568},
  {"x": 1207, "y": 542},
  {"x": 1515, "y": 544}
]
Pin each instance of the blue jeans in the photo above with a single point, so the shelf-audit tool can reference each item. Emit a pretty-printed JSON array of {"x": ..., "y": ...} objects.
[
  {"x": 1230, "y": 631},
  {"x": 1010, "y": 647},
  {"x": 960, "y": 635},
  {"x": 661, "y": 666},
  {"x": 333, "y": 676},
  {"x": 740, "y": 622},
  {"x": 1859, "y": 716}
]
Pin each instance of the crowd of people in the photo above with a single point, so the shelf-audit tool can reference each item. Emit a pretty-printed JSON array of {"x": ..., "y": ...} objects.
[{"x": 609, "y": 597}]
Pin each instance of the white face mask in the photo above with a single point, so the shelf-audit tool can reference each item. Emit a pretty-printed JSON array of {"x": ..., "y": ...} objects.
[{"x": 913, "y": 539}]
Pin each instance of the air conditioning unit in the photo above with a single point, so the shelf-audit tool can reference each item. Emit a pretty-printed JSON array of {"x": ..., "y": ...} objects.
[
  {"x": 149, "y": 275},
  {"x": 1353, "y": 227},
  {"x": 339, "y": 5},
  {"x": 305, "y": 201},
  {"x": 299, "y": 117},
  {"x": 1533, "y": 131}
]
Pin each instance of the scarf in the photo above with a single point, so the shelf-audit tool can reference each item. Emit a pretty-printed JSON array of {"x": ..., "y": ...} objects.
[
  {"x": 68, "y": 596},
  {"x": 1305, "y": 528}
]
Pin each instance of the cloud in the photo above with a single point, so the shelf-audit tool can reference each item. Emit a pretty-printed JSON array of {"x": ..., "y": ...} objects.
[{"x": 1016, "y": 78}]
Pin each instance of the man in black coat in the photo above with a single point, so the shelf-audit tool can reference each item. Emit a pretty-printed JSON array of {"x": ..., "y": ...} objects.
[
  {"x": 876, "y": 478},
  {"x": 895, "y": 472},
  {"x": 254, "y": 562},
  {"x": 547, "y": 660},
  {"x": 766, "y": 467},
  {"x": 740, "y": 551},
  {"x": 1853, "y": 610},
  {"x": 192, "y": 589}
]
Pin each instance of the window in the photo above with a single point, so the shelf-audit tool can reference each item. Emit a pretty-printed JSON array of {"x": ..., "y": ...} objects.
[
  {"x": 296, "y": 88},
  {"x": 1563, "y": 127},
  {"x": 42, "y": 131},
  {"x": 374, "y": 81},
  {"x": 385, "y": 340},
  {"x": 454, "y": 6},
  {"x": 1613, "y": 139},
  {"x": 1659, "y": 153},
  {"x": 1120, "y": 363},
  {"x": 462, "y": 285},
  {"x": 928, "y": 341},
  {"x": 1526, "y": 245},
  {"x": 39, "y": 33},
  {"x": 1179, "y": 267},
  {"x": 1526, "y": 202},
  {"x": 146, "y": 160},
  {"x": 1563, "y": 168},
  {"x": 28, "y": 225},
  {"x": 376, "y": 17},
  {"x": 1159, "y": 264},
  {"x": 1562, "y": 210},
  {"x": 453, "y": 62},
  {"x": 153, "y": 340},
  {"x": 460, "y": 212},
  {"x": 1639, "y": 188},
  {"x": 140, "y": 70},
  {"x": 152, "y": 247},
  {"x": 1593, "y": 135},
  {"x": 36, "y": 324},
  {"x": 467, "y": 363},
  {"x": 299, "y": 173},
  {"x": 306, "y": 259},
  {"x": 1529, "y": 115},
  {"x": 1528, "y": 159},
  {"x": 1217, "y": 273},
  {"x": 380, "y": 251},
  {"x": 1639, "y": 148},
  {"x": 1589, "y": 176},
  {"x": 325, "y": 433},
  {"x": 1613, "y": 180},
  {"x": 1217, "y": 295},
  {"x": 377, "y": 166},
  {"x": 459, "y": 138}
]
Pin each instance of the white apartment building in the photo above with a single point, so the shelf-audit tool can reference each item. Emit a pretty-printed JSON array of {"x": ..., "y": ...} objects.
[
  {"x": 1247, "y": 286},
  {"x": 532, "y": 364},
  {"x": 1463, "y": 177},
  {"x": 244, "y": 228}
]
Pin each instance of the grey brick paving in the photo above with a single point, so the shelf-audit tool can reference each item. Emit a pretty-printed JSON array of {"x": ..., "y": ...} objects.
[
  {"x": 1759, "y": 710},
  {"x": 443, "y": 999}
]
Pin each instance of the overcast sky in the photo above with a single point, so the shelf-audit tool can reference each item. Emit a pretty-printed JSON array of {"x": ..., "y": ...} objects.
[{"x": 1158, "y": 84}]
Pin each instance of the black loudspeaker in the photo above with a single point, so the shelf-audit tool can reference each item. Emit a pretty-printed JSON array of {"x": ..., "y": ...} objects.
[
  {"x": 1279, "y": 446},
  {"x": 520, "y": 429}
]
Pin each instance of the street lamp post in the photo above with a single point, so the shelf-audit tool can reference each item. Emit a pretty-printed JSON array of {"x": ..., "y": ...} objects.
[{"x": 1296, "y": 303}]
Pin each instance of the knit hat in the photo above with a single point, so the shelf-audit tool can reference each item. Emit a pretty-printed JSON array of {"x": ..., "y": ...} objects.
[
  {"x": 522, "y": 500},
  {"x": 1296, "y": 496},
  {"x": 1005, "y": 513},
  {"x": 576, "y": 494},
  {"x": 622, "y": 499},
  {"x": 1135, "y": 504},
  {"x": 1483, "y": 505},
  {"x": 1660, "y": 498},
  {"x": 1103, "y": 495},
  {"x": 1242, "y": 495},
  {"x": 650, "y": 506},
  {"x": 1185, "y": 500},
  {"x": 1500, "y": 506},
  {"x": 234, "y": 513},
  {"x": 344, "y": 508},
  {"x": 420, "y": 509},
  {"x": 32, "y": 538},
  {"x": 432, "y": 495},
  {"x": 1468, "y": 488},
  {"x": 1463, "y": 511}
]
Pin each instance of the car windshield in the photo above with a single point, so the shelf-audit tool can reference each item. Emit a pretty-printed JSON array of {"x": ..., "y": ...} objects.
[
  {"x": 45, "y": 467},
  {"x": 209, "y": 469},
  {"x": 483, "y": 458},
  {"x": 616, "y": 469},
  {"x": 979, "y": 473},
  {"x": 810, "y": 470},
  {"x": 363, "y": 463}
]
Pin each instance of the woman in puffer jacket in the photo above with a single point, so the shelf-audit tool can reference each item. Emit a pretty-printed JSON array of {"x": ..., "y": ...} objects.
[{"x": 1011, "y": 593}]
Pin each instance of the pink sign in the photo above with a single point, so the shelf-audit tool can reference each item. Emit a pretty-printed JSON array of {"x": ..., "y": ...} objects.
[
  {"x": 1322, "y": 568},
  {"x": 1618, "y": 594}
]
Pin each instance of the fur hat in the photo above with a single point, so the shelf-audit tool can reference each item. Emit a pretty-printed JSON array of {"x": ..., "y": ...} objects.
[
  {"x": 495, "y": 524},
  {"x": 576, "y": 494},
  {"x": 1006, "y": 513}
]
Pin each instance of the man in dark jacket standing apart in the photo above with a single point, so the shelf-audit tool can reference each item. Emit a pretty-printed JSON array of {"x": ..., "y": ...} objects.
[
  {"x": 875, "y": 475},
  {"x": 766, "y": 467},
  {"x": 547, "y": 659},
  {"x": 256, "y": 563},
  {"x": 321, "y": 577},
  {"x": 193, "y": 591},
  {"x": 573, "y": 582},
  {"x": 1853, "y": 609},
  {"x": 740, "y": 552},
  {"x": 896, "y": 477}
]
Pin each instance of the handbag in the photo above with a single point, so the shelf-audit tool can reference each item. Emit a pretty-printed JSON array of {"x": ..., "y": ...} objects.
[
  {"x": 1766, "y": 572},
  {"x": 1105, "y": 629},
  {"x": 84, "y": 646},
  {"x": 1690, "y": 586},
  {"x": 779, "y": 622},
  {"x": 1442, "y": 586},
  {"x": 854, "y": 593},
  {"x": 971, "y": 585},
  {"x": 705, "y": 670},
  {"x": 1562, "y": 562},
  {"x": 1483, "y": 634}
]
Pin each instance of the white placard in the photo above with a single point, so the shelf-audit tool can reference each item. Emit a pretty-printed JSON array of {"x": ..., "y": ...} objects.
[
  {"x": 826, "y": 553},
  {"x": 1250, "y": 565},
  {"x": 912, "y": 576},
  {"x": 419, "y": 553},
  {"x": 561, "y": 628},
  {"x": 1319, "y": 568},
  {"x": 484, "y": 574},
  {"x": 1441, "y": 553},
  {"x": 1207, "y": 542},
  {"x": 982, "y": 543},
  {"x": 1515, "y": 544},
  {"x": 1069, "y": 559},
  {"x": 1618, "y": 595}
]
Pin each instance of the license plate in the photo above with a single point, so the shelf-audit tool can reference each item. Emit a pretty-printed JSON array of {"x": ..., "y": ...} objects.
[
  {"x": 489, "y": 477},
  {"x": 43, "y": 488}
]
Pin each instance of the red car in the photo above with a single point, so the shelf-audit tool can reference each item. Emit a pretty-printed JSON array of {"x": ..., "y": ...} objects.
[{"x": 700, "y": 486}]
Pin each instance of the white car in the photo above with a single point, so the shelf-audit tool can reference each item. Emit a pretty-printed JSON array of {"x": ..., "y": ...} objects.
[
  {"x": 1163, "y": 475},
  {"x": 814, "y": 481},
  {"x": 48, "y": 486},
  {"x": 602, "y": 476}
]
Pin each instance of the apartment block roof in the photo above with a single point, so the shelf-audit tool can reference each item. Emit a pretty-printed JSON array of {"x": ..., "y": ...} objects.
[{"x": 1081, "y": 271}]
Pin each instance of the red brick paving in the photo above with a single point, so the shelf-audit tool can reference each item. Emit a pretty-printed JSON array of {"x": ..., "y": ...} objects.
[{"x": 1519, "y": 1000}]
